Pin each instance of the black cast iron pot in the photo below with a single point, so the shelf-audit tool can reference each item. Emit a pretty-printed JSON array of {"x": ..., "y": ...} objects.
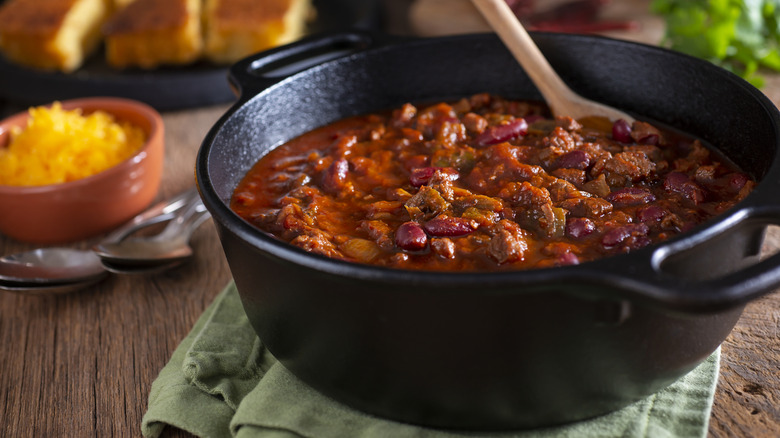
[{"x": 494, "y": 350}]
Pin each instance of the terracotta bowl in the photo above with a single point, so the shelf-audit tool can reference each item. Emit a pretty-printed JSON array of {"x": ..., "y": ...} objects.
[{"x": 76, "y": 210}]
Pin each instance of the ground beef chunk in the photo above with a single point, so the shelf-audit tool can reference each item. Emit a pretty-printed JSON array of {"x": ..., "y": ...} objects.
[
  {"x": 379, "y": 232},
  {"x": 567, "y": 123},
  {"x": 443, "y": 247},
  {"x": 630, "y": 166},
  {"x": 426, "y": 204},
  {"x": 317, "y": 242},
  {"x": 561, "y": 140},
  {"x": 590, "y": 207},
  {"x": 508, "y": 243},
  {"x": 475, "y": 124},
  {"x": 645, "y": 133}
]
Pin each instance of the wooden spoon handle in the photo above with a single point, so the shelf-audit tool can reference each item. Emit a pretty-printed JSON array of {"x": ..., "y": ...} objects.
[{"x": 561, "y": 99}]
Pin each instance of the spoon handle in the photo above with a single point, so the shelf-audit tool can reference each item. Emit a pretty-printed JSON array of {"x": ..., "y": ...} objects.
[
  {"x": 560, "y": 98},
  {"x": 185, "y": 222},
  {"x": 159, "y": 212}
]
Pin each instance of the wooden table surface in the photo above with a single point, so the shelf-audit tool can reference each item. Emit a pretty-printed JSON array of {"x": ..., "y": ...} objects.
[{"x": 82, "y": 364}]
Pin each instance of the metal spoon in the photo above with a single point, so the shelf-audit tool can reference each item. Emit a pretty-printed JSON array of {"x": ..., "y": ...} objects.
[
  {"x": 51, "y": 265},
  {"x": 169, "y": 246},
  {"x": 47, "y": 288},
  {"x": 44, "y": 271},
  {"x": 60, "y": 270},
  {"x": 561, "y": 99},
  {"x": 160, "y": 212},
  {"x": 140, "y": 269}
]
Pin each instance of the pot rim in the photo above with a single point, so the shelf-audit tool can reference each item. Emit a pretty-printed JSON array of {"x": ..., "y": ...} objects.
[{"x": 638, "y": 273}]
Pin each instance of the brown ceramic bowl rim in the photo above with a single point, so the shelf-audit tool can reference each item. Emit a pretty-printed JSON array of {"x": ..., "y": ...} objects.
[{"x": 110, "y": 105}]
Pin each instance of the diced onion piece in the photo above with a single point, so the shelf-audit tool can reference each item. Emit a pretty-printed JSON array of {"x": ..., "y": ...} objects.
[{"x": 361, "y": 249}]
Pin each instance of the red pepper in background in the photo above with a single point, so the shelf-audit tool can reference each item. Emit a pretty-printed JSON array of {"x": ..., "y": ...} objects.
[{"x": 577, "y": 16}]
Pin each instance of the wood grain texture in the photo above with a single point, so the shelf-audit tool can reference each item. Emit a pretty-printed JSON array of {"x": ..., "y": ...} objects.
[
  {"x": 82, "y": 365},
  {"x": 747, "y": 400}
]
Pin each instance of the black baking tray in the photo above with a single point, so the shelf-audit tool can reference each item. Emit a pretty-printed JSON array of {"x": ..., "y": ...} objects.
[{"x": 165, "y": 88}]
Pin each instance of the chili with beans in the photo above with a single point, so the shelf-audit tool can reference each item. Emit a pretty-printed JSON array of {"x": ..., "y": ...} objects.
[{"x": 484, "y": 183}]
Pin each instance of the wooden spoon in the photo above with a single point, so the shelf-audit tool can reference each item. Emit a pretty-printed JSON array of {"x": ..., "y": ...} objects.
[{"x": 561, "y": 99}]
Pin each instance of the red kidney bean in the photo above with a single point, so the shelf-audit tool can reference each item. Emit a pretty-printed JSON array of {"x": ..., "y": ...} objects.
[
  {"x": 579, "y": 227},
  {"x": 533, "y": 118},
  {"x": 677, "y": 182},
  {"x": 735, "y": 181},
  {"x": 422, "y": 175},
  {"x": 617, "y": 235},
  {"x": 410, "y": 237},
  {"x": 651, "y": 139},
  {"x": 500, "y": 133},
  {"x": 652, "y": 213},
  {"x": 576, "y": 159},
  {"x": 630, "y": 196},
  {"x": 336, "y": 175},
  {"x": 567, "y": 258},
  {"x": 645, "y": 133},
  {"x": 621, "y": 131},
  {"x": 447, "y": 226}
]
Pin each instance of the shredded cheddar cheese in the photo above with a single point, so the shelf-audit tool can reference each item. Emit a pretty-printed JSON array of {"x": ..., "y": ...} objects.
[{"x": 59, "y": 146}]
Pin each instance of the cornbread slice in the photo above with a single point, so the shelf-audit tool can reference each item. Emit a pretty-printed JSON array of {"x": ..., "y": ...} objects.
[
  {"x": 51, "y": 34},
  {"x": 234, "y": 29},
  {"x": 151, "y": 33},
  {"x": 120, "y": 4}
]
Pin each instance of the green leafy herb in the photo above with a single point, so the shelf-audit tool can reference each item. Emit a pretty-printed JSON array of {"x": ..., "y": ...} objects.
[{"x": 739, "y": 35}]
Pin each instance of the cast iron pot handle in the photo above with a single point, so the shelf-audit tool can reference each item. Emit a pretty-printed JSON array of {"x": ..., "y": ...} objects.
[
  {"x": 652, "y": 283},
  {"x": 254, "y": 74}
]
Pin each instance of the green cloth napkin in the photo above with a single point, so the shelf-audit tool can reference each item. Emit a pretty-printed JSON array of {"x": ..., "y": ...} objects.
[{"x": 222, "y": 382}]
